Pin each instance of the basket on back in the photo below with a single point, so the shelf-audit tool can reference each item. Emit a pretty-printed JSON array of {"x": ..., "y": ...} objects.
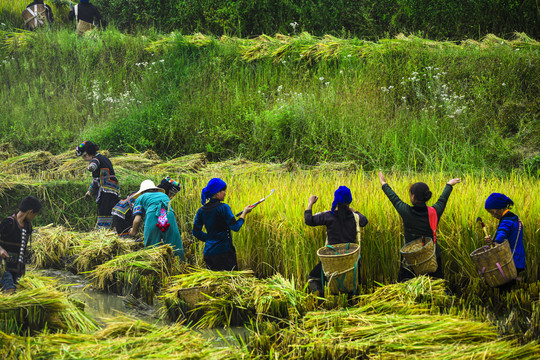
[
  {"x": 419, "y": 256},
  {"x": 194, "y": 295},
  {"x": 340, "y": 266},
  {"x": 495, "y": 264},
  {"x": 35, "y": 16}
]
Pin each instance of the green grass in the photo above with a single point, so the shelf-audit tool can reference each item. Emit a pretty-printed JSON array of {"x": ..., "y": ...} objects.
[{"x": 406, "y": 104}]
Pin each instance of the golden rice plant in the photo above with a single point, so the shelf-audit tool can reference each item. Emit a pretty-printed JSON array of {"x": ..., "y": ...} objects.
[
  {"x": 140, "y": 273},
  {"x": 100, "y": 248},
  {"x": 227, "y": 298},
  {"x": 275, "y": 239},
  {"x": 54, "y": 247},
  {"x": 372, "y": 329},
  {"x": 121, "y": 339},
  {"x": 39, "y": 304}
]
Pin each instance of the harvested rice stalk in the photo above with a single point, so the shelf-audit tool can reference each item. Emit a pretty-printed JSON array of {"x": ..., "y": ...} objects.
[
  {"x": 33, "y": 162},
  {"x": 231, "y": 298},
  {"x": 137, "y": 162},
  {"x": 184, "y": 164},
  {"x": 39, "y": 304},
  {"x": 99, "y": 247},
  {"x": 122, "y": 339},
  {"x": 140, "y": 273},
  {"x": 388, "y": 336},
  {"x": 53, "y": 247}
]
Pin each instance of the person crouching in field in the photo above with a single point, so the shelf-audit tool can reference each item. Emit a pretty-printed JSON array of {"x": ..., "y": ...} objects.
[
  {"x": 104, "y": 184},
  {"x": 37, "y": 14},
  {"x": 159, "y": 218},
  {"x": 15, "y": 232},
  {"x": 86, "y": 15},
  {"x": 341, "y": 228},
  {"x": 122, "y": 216},
  {"x": 219, "y": 252},
  {"x": 415, "y": 218},
  {"x": 510, "y": 228}
]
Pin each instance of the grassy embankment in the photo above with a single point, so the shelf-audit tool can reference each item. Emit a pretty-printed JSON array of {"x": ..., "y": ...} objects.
[{"x": 405, "y": 104}]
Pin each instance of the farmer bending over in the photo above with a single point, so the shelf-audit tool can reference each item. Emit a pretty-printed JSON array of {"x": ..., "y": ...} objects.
[
  {"x": 104, "y": 184},
  {"x": 510, "y": 228},
  {"x": 218, "y": 219},
  {"x": 416, "y": 218},
  {"x": 159, "y": 218},
  {"x": 15, "y": 232},
  {"x": 341, "y": 224}
]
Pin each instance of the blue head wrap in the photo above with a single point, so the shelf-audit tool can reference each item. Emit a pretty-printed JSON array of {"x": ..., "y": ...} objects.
[
  {"x": 498, "y": 201},
  {"x": 214, "y": 186},
  {"x": 85, "y": 1},
  {"x": 341, "y": 196}
]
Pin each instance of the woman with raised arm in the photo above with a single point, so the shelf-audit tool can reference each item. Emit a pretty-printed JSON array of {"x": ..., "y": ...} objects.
[{"x": 415, "y": 218}]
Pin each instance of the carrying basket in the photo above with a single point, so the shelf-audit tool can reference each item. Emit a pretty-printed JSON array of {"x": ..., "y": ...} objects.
[
  {"x": 495, "y": 264},
  {"x": 340, "y": 265},
  {"x": 35, "y": 16},
  {"x": 419, "y": 256},
  {"x": 83, "y": 26},
  {"x": 194, "y": 295}
]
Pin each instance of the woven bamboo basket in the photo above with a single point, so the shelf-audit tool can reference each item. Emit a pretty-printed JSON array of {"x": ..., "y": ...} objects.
[
  {"x": 495, "y": 264},
  {"x": 83, "y": 26},
  {"x": 194, "y": 295},
  {"x": 339, "y": 263},
  {"x": 38, "y": 19},
  {"x": 419, "y": 256}
]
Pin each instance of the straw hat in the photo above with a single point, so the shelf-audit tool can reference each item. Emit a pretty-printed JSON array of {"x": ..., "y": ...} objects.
[{"x": 147, "y": 185}]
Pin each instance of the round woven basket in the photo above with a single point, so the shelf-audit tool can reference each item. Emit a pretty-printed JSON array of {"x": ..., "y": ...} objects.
[
  {"x": 83, "y": 26},
  {"x": 194, "y": 295},
  {"x": 339, "y": 263},
  {"x": 419, "y": 256},
  {"x": 495, "y": 264}
]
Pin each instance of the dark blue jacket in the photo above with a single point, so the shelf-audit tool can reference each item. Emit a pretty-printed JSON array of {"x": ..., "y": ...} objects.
[
  {"x": 508, "y": 229},
  {"x": 218, "y": 220}
]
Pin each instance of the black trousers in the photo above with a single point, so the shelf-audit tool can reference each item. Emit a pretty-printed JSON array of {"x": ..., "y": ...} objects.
[{"x": 222, "y": 262}]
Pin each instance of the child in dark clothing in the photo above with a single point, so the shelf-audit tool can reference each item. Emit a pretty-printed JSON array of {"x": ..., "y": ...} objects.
[
  {"x": 104, "y": 184},
  {"x": 15, "y": 234}
]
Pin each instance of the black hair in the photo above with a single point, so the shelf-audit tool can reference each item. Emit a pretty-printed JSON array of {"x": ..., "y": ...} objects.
[
  {"x": 30, "y": 203},
  {"x": 420, "y": 191},
  {"x": 91, "y": 148}
]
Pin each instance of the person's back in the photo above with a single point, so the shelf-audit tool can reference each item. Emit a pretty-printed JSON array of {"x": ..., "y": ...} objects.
[
  {"x": 86, "y": 15},
  {"x": 37, "y": 14}
]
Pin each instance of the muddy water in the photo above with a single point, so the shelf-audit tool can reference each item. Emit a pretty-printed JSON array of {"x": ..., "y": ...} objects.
[{"x": 102, "y": 306}]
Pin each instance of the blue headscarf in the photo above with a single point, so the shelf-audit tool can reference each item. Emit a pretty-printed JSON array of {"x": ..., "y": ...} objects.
[
  {"x": 214, "y": 186},
  {"x": 498, "y": 201},
  {"x": 341, "y": 196}
]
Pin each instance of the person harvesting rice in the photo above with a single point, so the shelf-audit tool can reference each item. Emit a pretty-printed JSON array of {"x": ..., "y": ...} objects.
[
  {"x": 510, "y": 228},
  {"x": 154, "y": 206},
  {"x": 104, "y": 184},
  {"x": 416, "y": 222},
  {"x": 219, "y": 252},
  {"x": 341, "y": 228},
  {"x": 15, "y": 232},
  {"x": 122, "y": 212}
]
